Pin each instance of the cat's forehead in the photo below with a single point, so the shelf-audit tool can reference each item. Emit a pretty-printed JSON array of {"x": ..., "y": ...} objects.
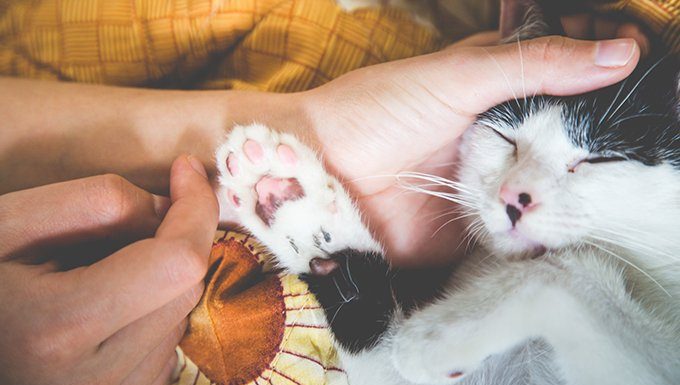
[{"x": 636, "y": 118}]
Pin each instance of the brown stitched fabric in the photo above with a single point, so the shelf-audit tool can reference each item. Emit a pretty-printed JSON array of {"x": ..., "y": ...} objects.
[{"x": 236, "y": 329}]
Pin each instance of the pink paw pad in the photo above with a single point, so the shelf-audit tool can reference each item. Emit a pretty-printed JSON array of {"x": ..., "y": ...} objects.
[
  {"x": 286, "y": 155},
  {"x": 234, "y": 199},
  {"x": 253, "y": 151},
  {"x": 272, "y": 193},
  {"x": 232, "y": 164}
]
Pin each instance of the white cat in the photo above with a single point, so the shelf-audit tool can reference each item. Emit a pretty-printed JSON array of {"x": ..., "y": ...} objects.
[{"x": 575, "y": 278}]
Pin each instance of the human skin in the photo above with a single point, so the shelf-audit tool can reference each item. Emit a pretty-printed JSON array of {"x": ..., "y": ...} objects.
[
  {"x": 119, "y": 319},
  {"x": 381, "y": 120},
  {"x": 370, "y": 124}
]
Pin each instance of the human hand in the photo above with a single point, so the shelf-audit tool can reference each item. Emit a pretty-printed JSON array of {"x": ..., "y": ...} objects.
[
  {"x": 406, "y": 116},
  {"x": 118, "y": 320}
]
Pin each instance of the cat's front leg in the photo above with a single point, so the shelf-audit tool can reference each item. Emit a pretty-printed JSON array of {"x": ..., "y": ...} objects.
[
  {"x": 283, "y": 195},
  {"x": 494, "y": 311},
  {"x": 513, "y": 304}
]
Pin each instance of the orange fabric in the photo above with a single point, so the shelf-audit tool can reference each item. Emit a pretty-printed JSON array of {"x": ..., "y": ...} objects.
[
  {"x": 253, "y": 326},
  {"x": 235, "y": 330}
]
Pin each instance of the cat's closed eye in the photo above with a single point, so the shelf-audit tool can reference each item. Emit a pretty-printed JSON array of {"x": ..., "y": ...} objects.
[
  {"x": 595, "y": 159},
  {"x": 512, "y": 142}
]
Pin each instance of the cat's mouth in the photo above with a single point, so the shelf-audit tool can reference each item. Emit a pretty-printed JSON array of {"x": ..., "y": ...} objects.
[{"x": 527, "y": 246}]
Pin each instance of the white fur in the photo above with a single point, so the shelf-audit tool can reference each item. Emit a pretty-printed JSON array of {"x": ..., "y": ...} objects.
[
  {"x": 300, "y": 221},
  {"x": 578, "y": 315},
  {"x": 607, "y": 321}
]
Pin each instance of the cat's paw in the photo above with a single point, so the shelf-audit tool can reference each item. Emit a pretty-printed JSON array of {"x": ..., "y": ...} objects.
[
  {"x": 283, "y": 195},
  {"x": 446, "y": 343},
  {"x": 438, "y": 353}
]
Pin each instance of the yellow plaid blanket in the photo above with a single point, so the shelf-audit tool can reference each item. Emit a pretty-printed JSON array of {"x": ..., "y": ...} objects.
[{"x": 269, "y": 45}]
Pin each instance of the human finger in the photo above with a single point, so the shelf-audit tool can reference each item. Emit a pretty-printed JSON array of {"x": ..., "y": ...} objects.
[
  {"x": 159, "y": 364},
  {"x": 92, "y": 208},
  {"x": 549, "y": 65},
  {"x": 147, "y": 332},
  {"x": 146, "y": 275}
]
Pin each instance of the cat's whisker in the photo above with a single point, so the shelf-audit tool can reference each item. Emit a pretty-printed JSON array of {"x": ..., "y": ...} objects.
[
  {"x": 446, "y": 223},
  {"x": 505, "y": 76},
  {"x": 461, "y": 216},
  {"x": 631, "y": 242},
  {"x": 629, "y": 263},
  {"x": 626, "y": 241},
  {"x": 349, "y": 277},
  {"x": 424, "y": 185},
  {"x": 471, "y": 232},
  {"x": 642, "y": 78},
  {"x": 437, "y": 179},
  {"x": 442, "y": 213},
  {"x": 375, "y": 176},
  {"x": 521, "y": 63},
  {"x": 449, "y": 197},
  {"x": 336, "y": 313},
  {"x": 463, "y": 195},
  {"x": 616, "y": 98},
  {"x": 635, "y": 117},
  {"x": 340, "y": 291}
]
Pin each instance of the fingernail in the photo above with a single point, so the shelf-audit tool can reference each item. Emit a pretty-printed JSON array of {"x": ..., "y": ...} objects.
[
  {"x": 197, "y": 165},
  {"x": 161, "y": 205},
  {"x": 614, "y": 53}
]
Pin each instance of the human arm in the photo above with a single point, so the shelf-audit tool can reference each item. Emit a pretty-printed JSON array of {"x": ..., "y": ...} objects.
[
  {"x": 376, "y": 121},
  {"x": 56, "y": 131}
]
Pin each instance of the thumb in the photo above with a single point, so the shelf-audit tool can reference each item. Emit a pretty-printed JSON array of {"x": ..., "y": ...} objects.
[{"x": 552, "y": 65}]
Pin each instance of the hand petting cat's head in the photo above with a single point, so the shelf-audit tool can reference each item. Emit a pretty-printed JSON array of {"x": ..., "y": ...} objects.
[{"x": 599, "y": 169}]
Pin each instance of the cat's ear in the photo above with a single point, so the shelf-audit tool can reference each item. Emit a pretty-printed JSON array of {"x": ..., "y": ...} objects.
[{"x": 528, "y": 19}]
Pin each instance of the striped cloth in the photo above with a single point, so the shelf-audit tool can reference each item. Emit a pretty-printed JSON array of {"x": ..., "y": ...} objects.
[
  {"x": 254, "y": 326},
  {"x": 662, "y": 17}
]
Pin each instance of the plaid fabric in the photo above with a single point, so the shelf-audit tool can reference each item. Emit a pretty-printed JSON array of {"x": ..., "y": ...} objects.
[
  {"x": 662, "y": 17},
  {"x": 270, "y": 45}
]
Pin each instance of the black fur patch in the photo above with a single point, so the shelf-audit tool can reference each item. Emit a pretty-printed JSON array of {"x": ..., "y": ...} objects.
[
  {"x": 361, "y": 297},
  {"x": 636, "y": 119}
]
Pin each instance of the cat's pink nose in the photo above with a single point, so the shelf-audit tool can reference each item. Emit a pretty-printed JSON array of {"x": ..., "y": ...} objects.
[
  {"x": 516, "y": 202},
  {"x": 516, "y": 197}
]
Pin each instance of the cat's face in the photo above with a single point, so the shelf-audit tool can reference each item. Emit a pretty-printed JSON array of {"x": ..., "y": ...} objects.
[{"x": 546, "y": 174}]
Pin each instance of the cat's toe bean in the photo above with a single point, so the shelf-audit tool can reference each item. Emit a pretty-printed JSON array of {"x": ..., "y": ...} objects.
[
  {"x": 287, "y": 155},
  {"x": 233, "y": 198},
  {"x": 253, "y": 151},
  {"x": 232, "y": 164}
]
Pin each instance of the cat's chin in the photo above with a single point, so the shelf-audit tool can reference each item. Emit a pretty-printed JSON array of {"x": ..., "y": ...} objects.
[{"x": 514, "y": 245}]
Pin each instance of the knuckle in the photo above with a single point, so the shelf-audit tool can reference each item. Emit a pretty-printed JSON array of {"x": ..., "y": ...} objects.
[
  {"x": 111, "y": 197},
  {"x": 51, "y": 346},
  {"x": 185, "y": 266},
  {"x": 551, "y": 48}
]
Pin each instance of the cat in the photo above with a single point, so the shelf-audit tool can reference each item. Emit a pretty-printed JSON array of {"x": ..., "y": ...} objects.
[{"x": 575, "y": 276}]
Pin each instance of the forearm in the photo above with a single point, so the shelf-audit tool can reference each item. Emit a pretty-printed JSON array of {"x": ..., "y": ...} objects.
[{"x": 57, "y": 131}]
